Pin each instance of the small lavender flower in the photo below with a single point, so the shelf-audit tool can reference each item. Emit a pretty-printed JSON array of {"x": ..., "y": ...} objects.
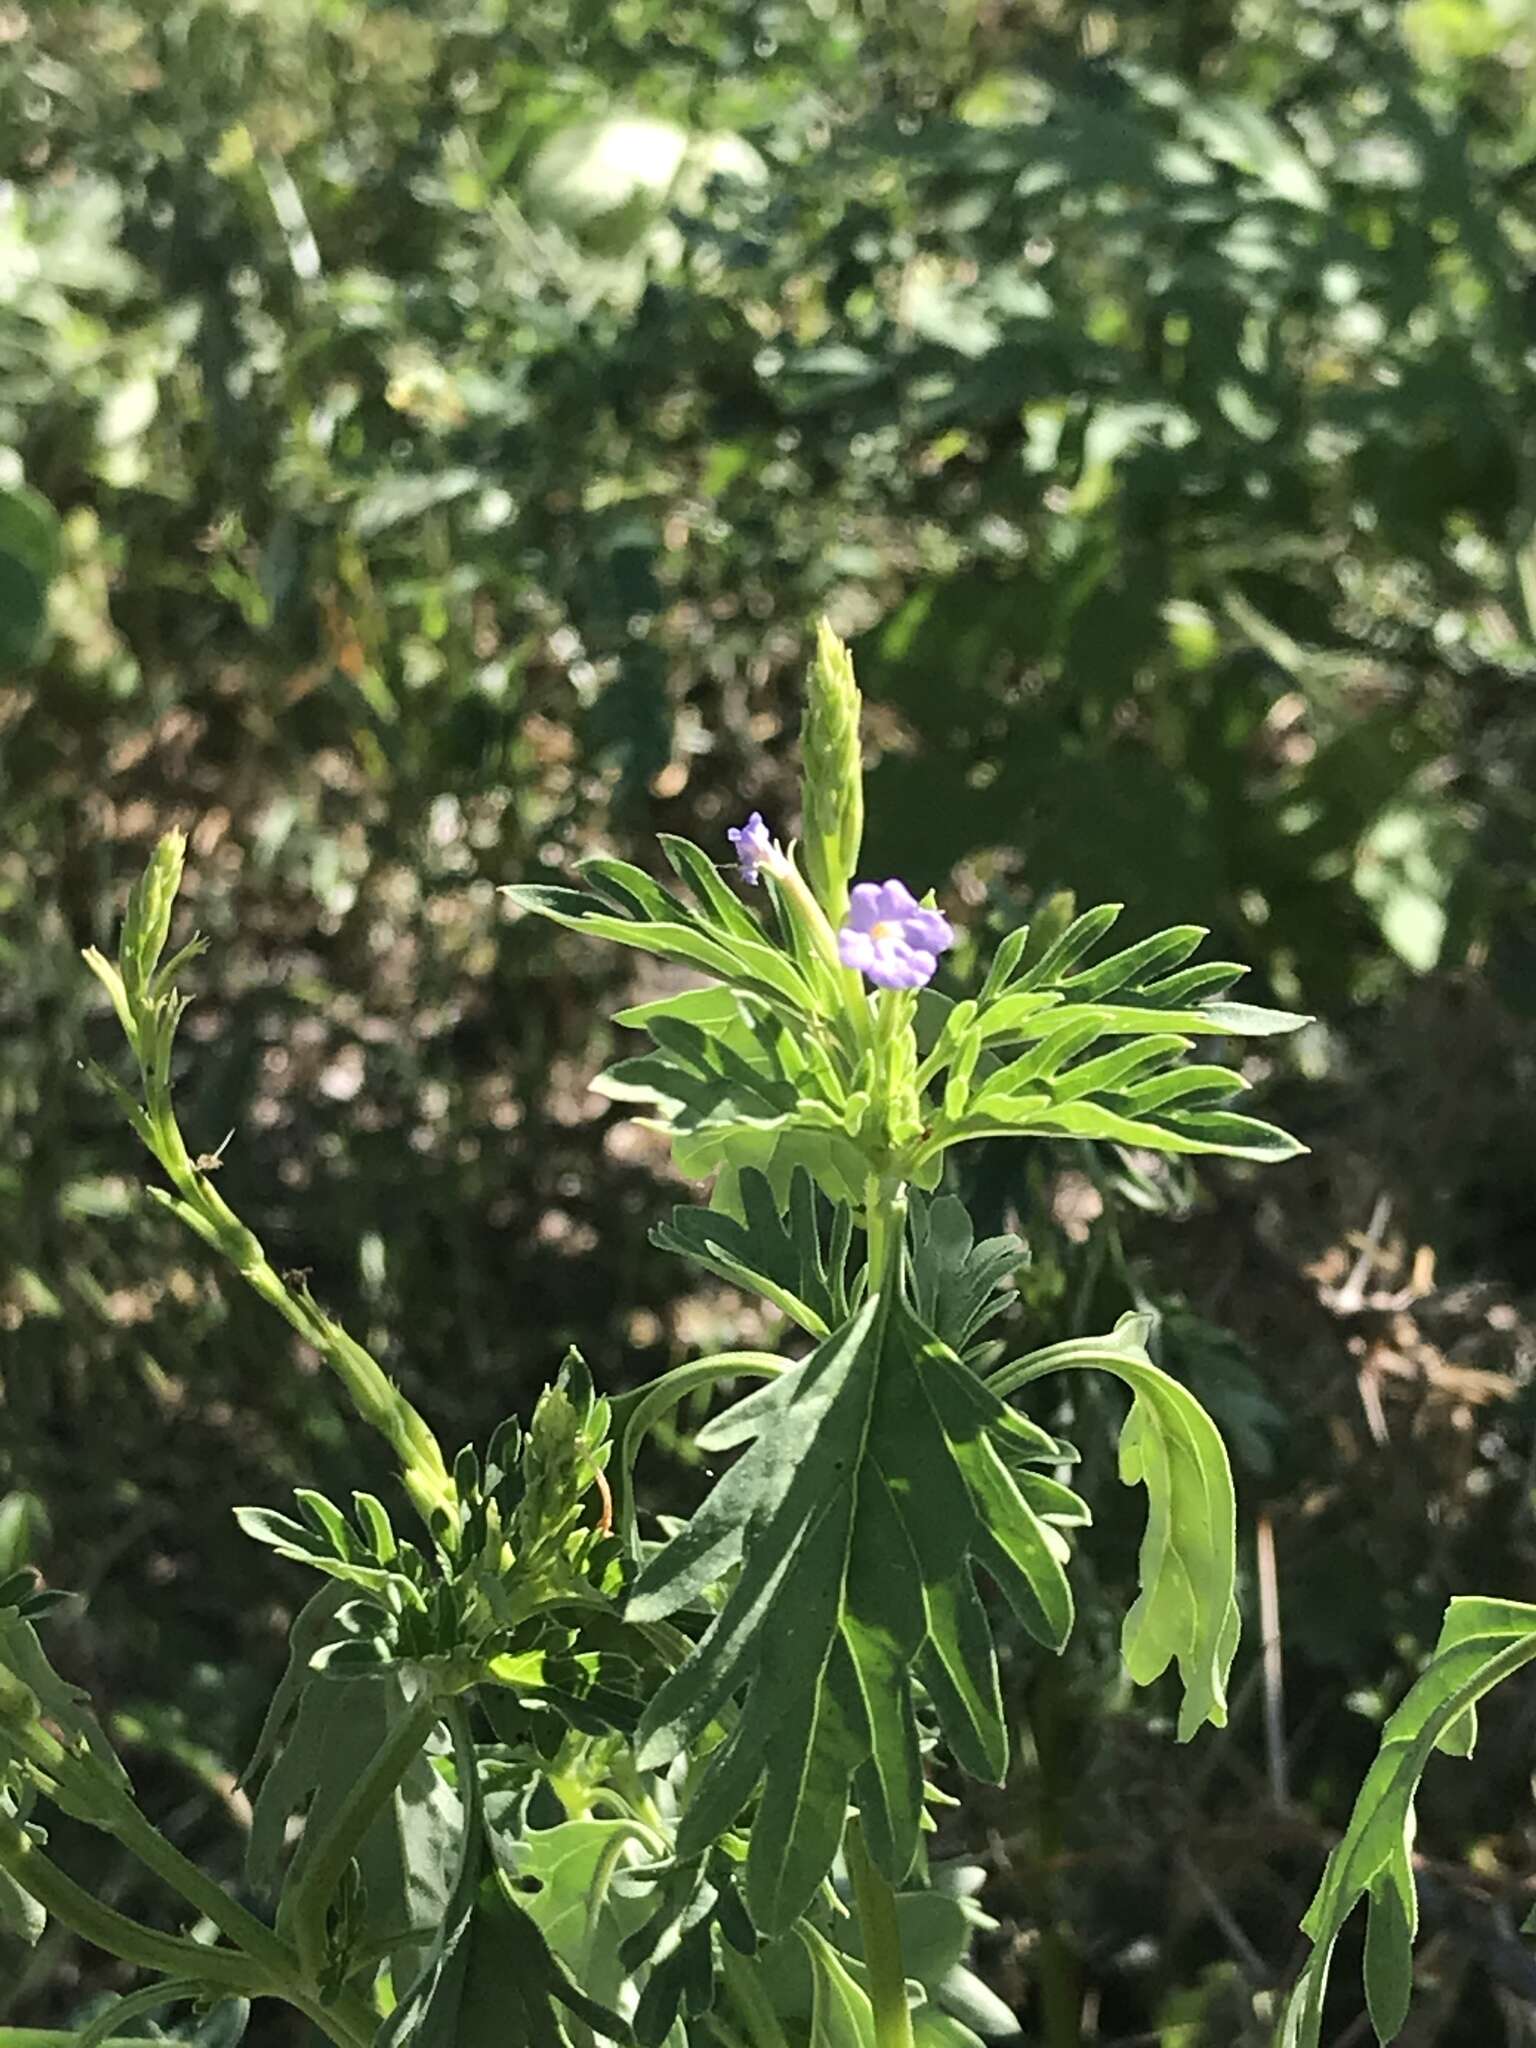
[
  {"x": 890, "y": 938},
  {"x": 754, "y": 847}
]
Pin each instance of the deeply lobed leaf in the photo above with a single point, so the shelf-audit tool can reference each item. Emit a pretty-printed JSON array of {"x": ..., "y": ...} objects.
[{"x": 877, "y": 1485}]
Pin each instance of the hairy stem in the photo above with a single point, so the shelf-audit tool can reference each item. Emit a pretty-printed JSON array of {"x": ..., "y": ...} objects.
[{"x": 881, "y": 1935}]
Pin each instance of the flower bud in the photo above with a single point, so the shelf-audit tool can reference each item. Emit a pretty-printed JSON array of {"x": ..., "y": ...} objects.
[
  {"x": 834, "y": 774},
  {"x": 147, "y": 923}
]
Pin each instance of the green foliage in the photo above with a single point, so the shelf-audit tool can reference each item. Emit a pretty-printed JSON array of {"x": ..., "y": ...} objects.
[
  {"x": 785, "y": 1257},
  {"x": 432, "y": 473},
  {"x": 1187, "y": 1608},
  {"x": 769, "y": 1073},
  {"x": 1481, "y": 1643},
  {"x": 876, "y": 1483},
  {"x": 29, "y": 560}
]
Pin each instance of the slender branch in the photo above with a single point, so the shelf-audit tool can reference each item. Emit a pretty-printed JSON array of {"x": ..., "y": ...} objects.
[
  {"x": 881, "y": 1935},
  {"x": 886, "y": 1223},
  {"x": 149, "y": 1007},
  {"x": 144, "y": 1840},
  {"x": 237, "y": 1974},
  {"x": 169, "y": 1991},
  {"x": 57, "y": 2037},
  {"x": 108, "y": 1929},
  {"x": 640, "y": 1411},
  {"x": 305, "y": 1910}
]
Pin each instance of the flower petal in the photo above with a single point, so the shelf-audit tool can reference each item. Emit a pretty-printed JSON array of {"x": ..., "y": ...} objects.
[
  {"x": 864, "y": 911},
  {"x": 754, "y": 845},
  {"x": 929, "y": 930},
  {"x": 895, "y": 900}
]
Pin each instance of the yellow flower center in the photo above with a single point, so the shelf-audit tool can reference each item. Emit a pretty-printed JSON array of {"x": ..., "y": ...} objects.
[{"x": 883, "y": 928}]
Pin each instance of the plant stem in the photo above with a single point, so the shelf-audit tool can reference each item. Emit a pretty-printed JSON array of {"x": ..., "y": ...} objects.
[
  {"x": 634, "y": 1414},
  {"x": 108, "y": 1929},
  {"x": 272, "y": 1974},
  {"x": 149, "y": 1022},
  {"x": 885, "y": 1216},
  {"x": 881, "y": 1935},
  {"x": 144, "y": 1840},
  {"x": 54, "y": 2037},
  {"x": 885, "y": 1224},
  {"x": 304, "y": 1911},
  {"x": 354, "y": 2030},
  {"x": 752, "y": 2003}
]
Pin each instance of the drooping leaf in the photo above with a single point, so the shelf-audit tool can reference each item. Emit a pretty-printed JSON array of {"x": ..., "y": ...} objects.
[
  {"x": 873, "y": 1490},
  {"x": 1481, "y": 1643},
  {"x": 492, "y": 1977},
  {"x": 694, "y": 1916},
  {"x": 313, "y": 1626},
  {"x": 497, "y": 1984},
  {"x": 1186, "y": 1611}
]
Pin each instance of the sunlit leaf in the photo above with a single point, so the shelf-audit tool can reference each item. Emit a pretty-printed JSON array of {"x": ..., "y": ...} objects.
[{"x": 1186, "y": 1612}]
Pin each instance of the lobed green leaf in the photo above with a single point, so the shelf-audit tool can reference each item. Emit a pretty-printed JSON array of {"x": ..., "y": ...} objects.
[
  {"x": 1186, "y": 1612},
  {"x": 875, "y": 1486},
  {"x": 1481, "y": 1643}
]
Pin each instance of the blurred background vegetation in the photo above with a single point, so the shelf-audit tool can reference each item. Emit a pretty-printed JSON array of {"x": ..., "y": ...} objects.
[{"x": 426, "y": 438}]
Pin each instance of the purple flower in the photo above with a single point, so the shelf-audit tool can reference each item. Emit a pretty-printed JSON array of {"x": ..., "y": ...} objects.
[
  {"x": 890, "y": 938},
  {"x": 754, "y": 846}
]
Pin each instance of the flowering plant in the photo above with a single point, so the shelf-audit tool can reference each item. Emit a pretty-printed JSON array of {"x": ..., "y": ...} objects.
[{"x": 544, "y": 1770}]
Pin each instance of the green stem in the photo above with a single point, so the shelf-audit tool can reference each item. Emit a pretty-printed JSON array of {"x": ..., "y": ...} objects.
[
  {"x": 54, "y": 2037},
  {"x": 145, "y": 1841},
  {"x": 169, "y": 1991},
  {"x": 874, "y": 1899},
  {"x": 199, "y": 1204},
  {"x": 346, "y": 2023},
  {"x": 635, "y": 1413},
  {"x": 745, "y": 1990},
  {"x": 880, "y": 1932},
  {"x": 107, "y": 1929},
  {"x": 305, "y": 1910},
  {"x": 885, "y": 1224},
  {"x": 238, "y": 1975}
]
